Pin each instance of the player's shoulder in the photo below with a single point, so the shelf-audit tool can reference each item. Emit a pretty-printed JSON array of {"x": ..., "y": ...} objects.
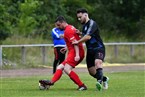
[
  {"x": 70, "y": 28},
  {"x": 93, "y": 22},
  {"x": 55, "y": 30}
]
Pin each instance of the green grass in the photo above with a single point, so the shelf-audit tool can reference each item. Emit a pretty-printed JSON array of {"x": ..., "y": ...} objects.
[{"x": 122, "y": 84}]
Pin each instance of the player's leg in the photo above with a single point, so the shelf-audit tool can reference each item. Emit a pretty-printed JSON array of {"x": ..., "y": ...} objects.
[
  {"x": 61, "y": 56},
  {"x": 91, "y": 64},
  {"x": 56, "y": 57},
  {"x": 57, "y": 75},
  {"x": 99, "y": 57},
  {"x": 90, "y": 59},
  {"x": 99, "y": 69},
  {"x": 74, "y": 77},
  {"x": 99, "y": 74}
]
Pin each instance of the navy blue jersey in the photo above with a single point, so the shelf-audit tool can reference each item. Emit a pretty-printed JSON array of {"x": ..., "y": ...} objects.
[
  {"x": 57, "y": 40},
  {"x": 91, "y": 28}
]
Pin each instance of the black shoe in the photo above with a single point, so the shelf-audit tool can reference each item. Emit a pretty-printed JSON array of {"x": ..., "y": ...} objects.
[
  {"x": 81, "y": 88},
  {"x": 46, "y": 82}
]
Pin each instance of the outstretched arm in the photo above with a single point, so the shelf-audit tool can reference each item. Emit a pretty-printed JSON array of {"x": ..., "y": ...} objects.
[{"x": 83, "y": 39}]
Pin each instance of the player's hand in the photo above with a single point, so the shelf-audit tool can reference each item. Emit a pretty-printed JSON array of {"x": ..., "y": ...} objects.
[
  {"x": 63, "y": 50},
  {"x": 75, "y": 42},
  {"x": 78, "y": 31},
  {"x": 77, "y": 58},
  {"x": 61, "y": 35}
]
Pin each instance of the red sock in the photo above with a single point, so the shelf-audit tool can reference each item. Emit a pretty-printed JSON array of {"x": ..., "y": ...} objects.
[
  {"x": 75, "y": 78},
  {"x": 56, "y": 75}
]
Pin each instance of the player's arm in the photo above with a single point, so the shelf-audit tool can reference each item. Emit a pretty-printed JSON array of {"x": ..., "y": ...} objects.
[
  {"x": 63, "y": 50},
  {"x": 78, "y": 32},
  {"x": 83, "y": 39},
  {"x": 92, "y": 28},
  {"x": 77, "y": 57}
]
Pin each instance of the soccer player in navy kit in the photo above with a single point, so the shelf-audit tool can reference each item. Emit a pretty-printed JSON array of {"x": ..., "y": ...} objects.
[
  {"x": 59, "y": 43},
  {"x": 95, "y": 48}
]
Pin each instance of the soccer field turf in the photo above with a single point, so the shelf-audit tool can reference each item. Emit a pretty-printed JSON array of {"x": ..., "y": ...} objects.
[{"x": 121, "y": 84}]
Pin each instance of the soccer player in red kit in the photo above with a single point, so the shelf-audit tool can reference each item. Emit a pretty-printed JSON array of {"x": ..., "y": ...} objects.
[{"x": 74, "y": 57}]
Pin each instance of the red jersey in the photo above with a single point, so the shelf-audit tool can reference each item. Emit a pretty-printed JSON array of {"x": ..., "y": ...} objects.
[{"x": 69, "y": 36}]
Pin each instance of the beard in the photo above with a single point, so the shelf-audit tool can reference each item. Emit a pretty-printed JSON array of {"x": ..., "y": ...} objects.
[{"x": 83, "y": 22}]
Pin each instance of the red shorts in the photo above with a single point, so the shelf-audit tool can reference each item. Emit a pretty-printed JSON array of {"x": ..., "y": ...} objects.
[{"x": 70, "y": 58}]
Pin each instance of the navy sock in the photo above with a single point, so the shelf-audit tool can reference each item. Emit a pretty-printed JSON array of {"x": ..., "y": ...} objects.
[
  {"x": 104, "y": 78},
  {"x": 99, "y": 75}
]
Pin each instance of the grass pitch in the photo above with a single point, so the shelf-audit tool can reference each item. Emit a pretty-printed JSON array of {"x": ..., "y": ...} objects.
[{"x": 121, "y": 84}]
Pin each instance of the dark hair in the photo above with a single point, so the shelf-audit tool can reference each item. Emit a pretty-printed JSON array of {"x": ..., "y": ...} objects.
[
  {"x": 60, "y": 19},
  {"x": 82, "y": 10}
]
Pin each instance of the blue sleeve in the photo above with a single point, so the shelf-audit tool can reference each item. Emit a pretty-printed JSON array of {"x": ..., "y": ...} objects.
[{"x": 55, "y": 35}]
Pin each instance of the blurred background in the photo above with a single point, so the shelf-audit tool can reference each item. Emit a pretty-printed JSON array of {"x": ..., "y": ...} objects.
[{"x": 31, "y": 22}]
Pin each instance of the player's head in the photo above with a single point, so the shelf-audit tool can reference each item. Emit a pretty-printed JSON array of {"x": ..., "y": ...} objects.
[
  {"x": 60, "y": 22},
  {"x": 82, "y": 15}
]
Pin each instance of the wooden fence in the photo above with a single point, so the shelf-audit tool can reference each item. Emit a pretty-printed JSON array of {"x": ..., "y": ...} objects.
[{"x": 43, "y": 49}]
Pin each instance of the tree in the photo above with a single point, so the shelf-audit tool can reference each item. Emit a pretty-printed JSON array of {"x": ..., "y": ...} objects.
[
  {"x": 5, "y": 18},
  {"x": 36, "y": 17},
  {"x": 26, "y": 19},
  {"x": 121, "y": 17}
]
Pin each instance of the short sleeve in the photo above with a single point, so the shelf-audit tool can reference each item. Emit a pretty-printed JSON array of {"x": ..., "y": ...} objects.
[{"x": 70, "y": 35}]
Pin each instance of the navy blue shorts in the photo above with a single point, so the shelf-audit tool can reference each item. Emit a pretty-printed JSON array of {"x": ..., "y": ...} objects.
[{"x": 94, "y": 54}]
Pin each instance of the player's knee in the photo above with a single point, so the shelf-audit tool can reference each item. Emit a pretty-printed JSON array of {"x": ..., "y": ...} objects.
[
  {"x": 60, "y": 67},
  {"x": 67, "y": 71},
  {"x": 98, "y": 63}
]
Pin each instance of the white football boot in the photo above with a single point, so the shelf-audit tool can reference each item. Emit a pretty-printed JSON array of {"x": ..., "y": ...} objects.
[{"x": 105, "y": 84}]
